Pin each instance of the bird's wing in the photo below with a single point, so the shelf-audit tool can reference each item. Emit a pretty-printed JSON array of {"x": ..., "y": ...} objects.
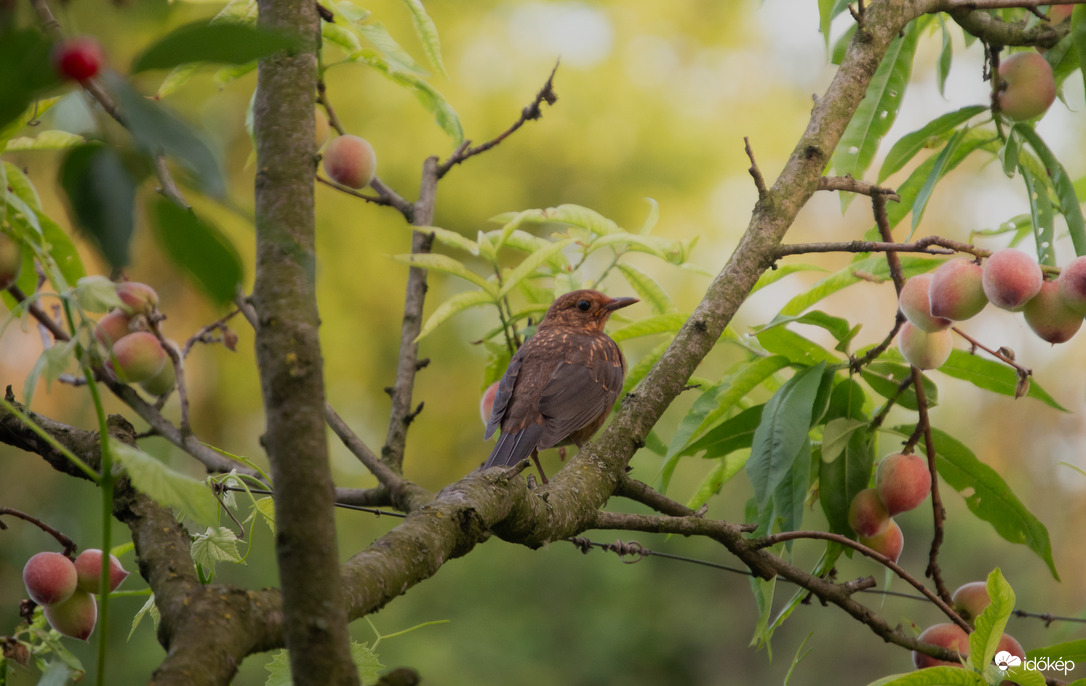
[
  {"x": 503, "y": 395},
  {"x": 575, "y": 397}
]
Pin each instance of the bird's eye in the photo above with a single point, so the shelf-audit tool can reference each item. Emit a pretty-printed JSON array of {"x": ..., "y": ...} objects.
[{"x": 583, "y": 305}]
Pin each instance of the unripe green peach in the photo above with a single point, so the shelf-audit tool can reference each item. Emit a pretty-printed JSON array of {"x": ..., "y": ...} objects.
[
  {"x": 88, "y": 565},
  {"x": 956, "y": 291},
  {"x": 486, "y": 403},
  {"x": 11, "y": 261},
  {"x": 350, "y": 161},
  {"x": 49, "y": 578},
  {"x": 75, "y": 616},
  {"x": 112, "y": 328},
  {"x": 970, "y": 599},
  {"x": 903, "y": 482},
  {"x": 946, "y": 635},
  {"x": 1010, "y": 278},
  {"x": 321, "y": 128},
  {"x": 1027, "y": 86},
  {"x": 867, "y": 516},
  {"x": 924, "y": 350},
  {"x": 915, "y": 304},
  {"x": 139, "y": 356},
  {"x": 166, "y": 378},
  {"x": 137, "y": 298},
  {"x": 1050, "y": 317},
  {"x": 1072, "y": 285}
]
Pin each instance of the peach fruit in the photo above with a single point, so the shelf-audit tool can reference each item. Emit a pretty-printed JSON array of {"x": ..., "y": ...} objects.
[
  {"x": 924, "y": 350},
  {"x": 486, "y": 403},
  {"x": 970, "y": 599},
  {"x": 75, "y": 616},
  {"x": 867, "y": 515},
  {"x": 49, "y": 578},
  {"x": 1072, "y": 284},
  {"x": 1010, "y": 278},
  {"x": 139, "y": 356},
  {"x": 902, "y": 481},
  {"x": 112, "y": 328},
  {"x": 350, "y": 161},
  {"x": 88, "y": 567},
  {"x": 956, "y": 292},
  {"x": 1027, "y": 86},
  {"x": 915, "y": 304},
  {"x": 946, "y": 635},
  {"x": 11, "y": 261},
  {"x": 137, "y": 298},
  {"x": 890, "y": 542},
  {"x": 1049, "y": 316}
]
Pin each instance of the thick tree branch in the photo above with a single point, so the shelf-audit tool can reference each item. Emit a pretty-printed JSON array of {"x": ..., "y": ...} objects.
[{"x": 289, "y": 356}]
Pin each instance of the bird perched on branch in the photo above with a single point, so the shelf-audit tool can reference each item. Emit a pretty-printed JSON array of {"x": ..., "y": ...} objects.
[{"x": 562, "y": 383}]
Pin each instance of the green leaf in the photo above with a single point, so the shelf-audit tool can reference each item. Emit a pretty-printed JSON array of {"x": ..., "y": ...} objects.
[
  {"x": 936, "y": 173},
  {"x": 397, "y": 57},
  {"x": 837, "y": 327},
  {"x": 660, "y": 323},
  {"x": 933, "y": 676},
  {"x": 28, "y": 70},
  {"x": 1040, "y": 207},
  {"x": 885, "y": 377},
  {"x": 454, "y": 305},
  {"x": 57, "y": 244},
  {"x": 362, "y": 655},
  {"x": 791, "y": 493},
  {"x": 97, "y": 294},
  {"x": 1008, "y": 154},
  {"x": 221, "y": 43},
  {"x": 636, "y": 373},
  {"x": 266, "y": 507},
  {"x": 149, "y": 608},
  {"x": 217, "y": 544},
  {"x": 427, "y": 33},
  {"x": 989, "y": 626},
  {"x": 860, "y": 270},
  {"x": 717, "y": 402},
  {"x": 156, "y": 130},
  {"x": 908, "y": 191},
  {"x": 925, "y": 137},
  {"x": 648, "y": 289},
  {"x": 845, "y": 466},
  {"x": 452, "y": 239},
  {"x": 165, "y": 486},
  {"x": 530, "y": 263},
  {"x": 1071, "y": 650},
  {"x": 650, "y": 220},
  {"x": 46, "y": 140},
  {"x": 199, "y": 249},
  {"x": 799, "y": 349},
  {"x": 989, "y": 497},
  {"x": 783, "y": 432},
  {"x": 772, "y": 276},
  {"x": 101, "y": 193},
  {"x": 1065, "y": 189},
  {"x": 946, "y": 55},
  {"x": 664, "y": 248},
  {"x": 992, "y": 376},
  {"x": 722, "y": 473},
  {"x": 443, "y": 263},
  {"x": 427, "y": 95},
  {"x": 879, "y": 108},
  {"x": 1078, "y": 36}
]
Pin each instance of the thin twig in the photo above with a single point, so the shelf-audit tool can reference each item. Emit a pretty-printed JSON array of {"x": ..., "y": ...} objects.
[
  {"x": 531, "y": 112},
  {"x": 938, "y": 511},
  {"x": 755, "y": 172},
  {"x": 69, "y": 545},
  {"x": 1002, "y": 357},
  {"x": 851, "y": 185}
]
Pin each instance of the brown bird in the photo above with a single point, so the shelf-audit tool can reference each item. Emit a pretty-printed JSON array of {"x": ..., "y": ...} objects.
[{"x": 562, "y": 383}]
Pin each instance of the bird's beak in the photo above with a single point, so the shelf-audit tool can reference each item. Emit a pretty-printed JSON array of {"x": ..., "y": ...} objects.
[{"x": 619, "y": 303}]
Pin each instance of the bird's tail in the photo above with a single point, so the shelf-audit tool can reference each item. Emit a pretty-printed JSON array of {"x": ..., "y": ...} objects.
[{"x": 514, "y": 446}]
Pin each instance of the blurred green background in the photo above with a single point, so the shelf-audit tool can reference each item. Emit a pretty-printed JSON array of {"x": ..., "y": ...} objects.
[{"x": 654, "y": 102}]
